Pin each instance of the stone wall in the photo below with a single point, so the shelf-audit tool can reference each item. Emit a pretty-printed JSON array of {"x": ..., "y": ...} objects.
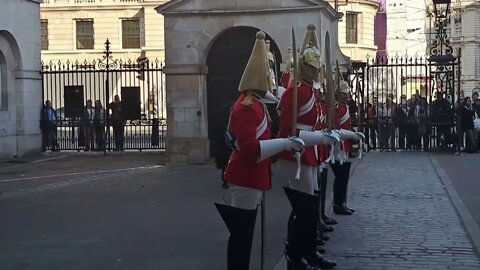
[{"x": 21, "y": 93}]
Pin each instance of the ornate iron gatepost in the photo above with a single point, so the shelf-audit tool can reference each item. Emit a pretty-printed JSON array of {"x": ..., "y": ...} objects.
[
  {"x": 442, "y": 61},
  {"x": 106, "y": 63}
]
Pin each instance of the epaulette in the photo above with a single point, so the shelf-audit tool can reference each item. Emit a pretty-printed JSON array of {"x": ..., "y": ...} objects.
[{"x": 247, "y": 101}]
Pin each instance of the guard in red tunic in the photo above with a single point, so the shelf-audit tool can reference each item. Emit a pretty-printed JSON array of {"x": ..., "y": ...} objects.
[
  {"x": 286, "y": 75},
  {"x": 248, "y": 171},
  {"x": 323, "y": 155},
  {"x": 341, "y": 168},
  {"x": 301, "y": 248}
]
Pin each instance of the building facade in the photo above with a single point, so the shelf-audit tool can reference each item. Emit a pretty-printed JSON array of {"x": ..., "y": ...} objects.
[
  {"x": 208, "y": 43},
  {"x": 465, "y": 39},
  {"x": 20, "y": 85},
  {"x": 356, "y": 28},
  {"x": 408, "y": 27},
  {"x": 78, "y": 29}
]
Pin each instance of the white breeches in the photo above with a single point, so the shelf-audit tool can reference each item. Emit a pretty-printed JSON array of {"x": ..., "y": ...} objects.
[
  {"x": 308, "y": 176},
  {"x": 244, "y": 197}
]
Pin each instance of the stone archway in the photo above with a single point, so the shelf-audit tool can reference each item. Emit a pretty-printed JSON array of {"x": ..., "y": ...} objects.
[
  {"x": 227, "y": 57},
  {"x": 9, "y": 62}
]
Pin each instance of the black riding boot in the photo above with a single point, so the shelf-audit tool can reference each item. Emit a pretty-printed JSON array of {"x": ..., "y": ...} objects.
[
  {"x": 348, "y": 166},
  {"x": 322, "y": 184},
  {"x": 301, "y": 249},
  {"x": 321, "y": 235},
  {"x": 339, "y": 186},
  {"x": 241, "y": 225}
]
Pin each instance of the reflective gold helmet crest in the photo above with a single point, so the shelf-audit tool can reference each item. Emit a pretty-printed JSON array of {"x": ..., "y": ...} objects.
[
  {"x": 343, "y": 87},
  {"x": 312, "y": 56}
]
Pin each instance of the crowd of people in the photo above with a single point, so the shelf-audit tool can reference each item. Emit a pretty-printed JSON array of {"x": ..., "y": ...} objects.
[
  {"x": 91, "y": 125},
  {"x": 414, "y": 124}
]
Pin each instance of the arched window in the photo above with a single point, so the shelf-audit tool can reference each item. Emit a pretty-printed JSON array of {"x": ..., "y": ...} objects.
[{"x": 3, "y": 82}]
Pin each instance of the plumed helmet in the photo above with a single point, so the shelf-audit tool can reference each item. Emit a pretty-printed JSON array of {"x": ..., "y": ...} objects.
[
  {"x": 343, "y": 87},
  {"x": 256, "y": 75},
  {"x": 289, "y": 64},
  {"x": 310, "y": 54}
]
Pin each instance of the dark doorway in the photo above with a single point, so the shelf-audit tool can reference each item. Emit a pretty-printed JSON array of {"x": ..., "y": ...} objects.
[
  {"x": 131, "y": 103},
  {"x": 226, "y": 61},
  {"x": 73, "y": 100}
]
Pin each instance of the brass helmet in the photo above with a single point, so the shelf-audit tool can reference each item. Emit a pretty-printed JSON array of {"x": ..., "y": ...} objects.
[
  {"x": 310, "y": 54},
  {"x": 343, "y": 87},
  {"x": 256, "y": 75},
  {"x": 269, "y": 53}
]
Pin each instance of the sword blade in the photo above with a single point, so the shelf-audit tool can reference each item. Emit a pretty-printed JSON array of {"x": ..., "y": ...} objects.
[{"x": 295, "y": 87}]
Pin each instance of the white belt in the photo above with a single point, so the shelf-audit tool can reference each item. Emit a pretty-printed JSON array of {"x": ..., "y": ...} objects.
[{"x": 305, "y": 127}]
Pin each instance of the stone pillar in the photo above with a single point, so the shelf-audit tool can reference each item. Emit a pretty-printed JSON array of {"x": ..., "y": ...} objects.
[{"x": 187, "y": 136}]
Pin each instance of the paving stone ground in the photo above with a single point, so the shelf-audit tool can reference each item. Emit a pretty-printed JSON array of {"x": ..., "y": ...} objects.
[{"x": 404, "y": 219}]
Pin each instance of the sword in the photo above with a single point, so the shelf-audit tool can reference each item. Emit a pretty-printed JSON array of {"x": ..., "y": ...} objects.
[
  {"x": 295, "y": 101},
  {"x": 262, "y": 260}
]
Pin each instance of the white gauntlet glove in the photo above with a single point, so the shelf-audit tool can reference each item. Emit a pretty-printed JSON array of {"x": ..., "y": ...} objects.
[
  {"x": 312, "y": 138},
  {"x": 348, "y": 134},
  {"x": 272, "y": 147}
]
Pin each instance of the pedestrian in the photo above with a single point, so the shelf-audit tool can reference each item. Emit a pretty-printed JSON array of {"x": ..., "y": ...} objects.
[
  {"x": 476, "y": 107},
  {"x": 99, "y": 125},
  {"x": 442, "y": 118},
  {"x": 412, "y": 128},
  {"x": 301, "y": 244},
  {"x": 249, "y": 169},
  {"x": 372, "y": 122},
  {"x": 87, "y": 123},
  {"x": 385, "y": 125},
  {"x": 467, "y": 115},
  {"x": 118, "y": 122},
  {"x": 48, "y": 126},
  {"x": 421, "y": 117},
  {"x": 401, "y": 122}
]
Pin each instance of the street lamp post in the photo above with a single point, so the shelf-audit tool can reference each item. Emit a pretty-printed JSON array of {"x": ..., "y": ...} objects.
[{"x": 441, "y": 51}]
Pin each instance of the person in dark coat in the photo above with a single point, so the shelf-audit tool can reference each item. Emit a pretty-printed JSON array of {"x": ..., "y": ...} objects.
[
  {"x": 222, "y": 150},
  {"x": 88, "y": 125},
  {"x": 99, "y": 125},
  {"x": 442, "y": 117},
  {"x": 48, "y": 126},
  {"x": 118, "y": 122},
  {"x": 401, "y": 115},
  {"x": 467, "y": 114}
]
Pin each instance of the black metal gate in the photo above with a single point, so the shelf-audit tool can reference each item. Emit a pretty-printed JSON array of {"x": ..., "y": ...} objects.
[
  {"x": 140, "y": 86},
  {"x": 384, "y": 87}
]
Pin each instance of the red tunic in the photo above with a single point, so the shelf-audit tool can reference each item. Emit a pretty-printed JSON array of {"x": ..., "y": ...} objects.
[
  {"x": 343, "y": 121},
  {"x": 285, "y": 79},
  {"x": 323, "y": 150},
  {"x": 307, "y": 116},
  {"x": 249, "y": 125}
]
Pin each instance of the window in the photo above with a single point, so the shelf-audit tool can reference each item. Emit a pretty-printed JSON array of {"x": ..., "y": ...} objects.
[
  {"x": 44, "y": 29},
  {"x": 130, "y": 33},
  {"x": 352, "y": 27},
  {"x": 85, "y": 38}
]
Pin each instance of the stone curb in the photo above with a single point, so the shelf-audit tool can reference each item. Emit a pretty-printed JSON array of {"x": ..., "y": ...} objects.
[
  {"x": 472, "y": 228},
  {"x": 281, "y": 264}
]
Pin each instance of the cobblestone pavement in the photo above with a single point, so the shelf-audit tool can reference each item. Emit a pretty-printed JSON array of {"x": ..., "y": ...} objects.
[{"x": 404, "y": 219}]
